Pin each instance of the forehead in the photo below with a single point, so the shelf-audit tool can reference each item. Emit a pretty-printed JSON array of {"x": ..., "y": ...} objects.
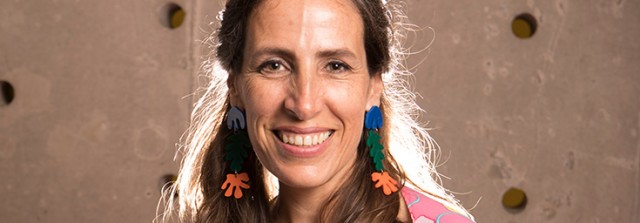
[
  {"x": 328, "y": 22},
  {"x": 299, "y": 7}
]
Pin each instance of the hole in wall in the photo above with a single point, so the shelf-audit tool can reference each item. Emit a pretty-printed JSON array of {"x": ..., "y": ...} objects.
[
  {"x": 172, "y": 15},
  {"x": 7, "y": 91},
  {"x": 514, "y": 199},
  {"x": 524, "y": 26},
  {"x": 166, "y": 181}
]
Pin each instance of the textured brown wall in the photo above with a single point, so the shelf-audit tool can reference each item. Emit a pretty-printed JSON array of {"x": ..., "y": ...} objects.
[
  {"x": 102, "y": 96},
  {"x": 556, "y": 115},
  {"x": 98, "y": 108}
]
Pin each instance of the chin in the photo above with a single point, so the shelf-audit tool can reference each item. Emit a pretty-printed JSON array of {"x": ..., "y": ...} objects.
[{"x": 303, "y": 176}]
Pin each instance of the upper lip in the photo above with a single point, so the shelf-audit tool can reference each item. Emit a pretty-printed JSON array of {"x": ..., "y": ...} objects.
[{"x": 301, "y": 130}]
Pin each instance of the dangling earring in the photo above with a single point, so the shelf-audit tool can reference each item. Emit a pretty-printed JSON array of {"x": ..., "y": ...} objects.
[
  {"x": 373, "y": 122},
  {"x": 236, "y": 151}
]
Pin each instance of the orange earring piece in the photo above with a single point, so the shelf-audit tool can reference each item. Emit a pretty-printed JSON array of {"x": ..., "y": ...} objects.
[
  {"x": 234, "y": 183},
  {"x": 236, "y": 150},
  {"x": 388, "y": 184},
  {"x": 373, "y": 122}
]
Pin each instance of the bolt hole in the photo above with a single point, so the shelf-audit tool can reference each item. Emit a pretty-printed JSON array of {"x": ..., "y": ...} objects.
[
  {"x": 172, "y": 15},
  {"x": 166, "y": 183},
  {"x": 524, "y": 26},
  {"x": 514, "y": 199},
  {"x": 8, "y": 93}
]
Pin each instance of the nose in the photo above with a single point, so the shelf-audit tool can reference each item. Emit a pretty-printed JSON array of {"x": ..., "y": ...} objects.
[{"x": 304, "y": 99}]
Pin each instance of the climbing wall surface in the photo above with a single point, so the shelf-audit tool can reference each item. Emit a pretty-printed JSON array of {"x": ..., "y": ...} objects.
[
  {"x": 97, "y": 109},
  {"x": 556, "y": 115},
  {"x": 95, "y": 94}
]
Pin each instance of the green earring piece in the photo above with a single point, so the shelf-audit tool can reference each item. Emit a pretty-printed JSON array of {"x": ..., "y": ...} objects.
[
  {"x": 373, "y": 122},
  {"x": 236, "y": 150}
]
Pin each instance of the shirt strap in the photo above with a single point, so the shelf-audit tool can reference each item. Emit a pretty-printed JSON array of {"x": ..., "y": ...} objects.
[{"x": 424, "y": 209}]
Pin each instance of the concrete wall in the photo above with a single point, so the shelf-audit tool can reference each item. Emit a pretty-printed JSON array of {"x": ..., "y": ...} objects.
[
  {"x": 97, "y": 111},
  {"x": 102, "y": 94},
  {"x": 556, "y": 115}
]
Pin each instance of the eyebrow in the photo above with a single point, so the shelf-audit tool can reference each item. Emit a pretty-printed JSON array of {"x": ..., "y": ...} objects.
[
  {"x": 341, "y": 52},
  {"x": 272, "y": 51}
]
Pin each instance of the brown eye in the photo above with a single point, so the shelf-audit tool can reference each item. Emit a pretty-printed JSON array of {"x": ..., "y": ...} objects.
[
  {"x": 337, "y": 67},
  {"x": 272, "y": 66}
]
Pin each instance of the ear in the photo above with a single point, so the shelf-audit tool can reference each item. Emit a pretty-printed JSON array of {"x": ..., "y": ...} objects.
[
  {"x": 234, "y": 96},
  {"x": 376, "y": 87}
]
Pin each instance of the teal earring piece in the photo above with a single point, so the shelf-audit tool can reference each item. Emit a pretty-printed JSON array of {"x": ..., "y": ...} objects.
[
  {"x": 373, "y": 122},
  {"x": 236, "y": 151}
]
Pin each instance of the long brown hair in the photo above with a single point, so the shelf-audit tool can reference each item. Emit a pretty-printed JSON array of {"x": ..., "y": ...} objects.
[
  {"x": 356, "y": 200},
  {"x": 203, "y": 169}
]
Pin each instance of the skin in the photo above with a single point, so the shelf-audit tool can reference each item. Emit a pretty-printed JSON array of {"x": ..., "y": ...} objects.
[{"x": 305, "y": 72}]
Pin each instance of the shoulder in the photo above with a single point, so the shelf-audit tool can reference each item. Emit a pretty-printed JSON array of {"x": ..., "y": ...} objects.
[{"x": 424, "y": 209}]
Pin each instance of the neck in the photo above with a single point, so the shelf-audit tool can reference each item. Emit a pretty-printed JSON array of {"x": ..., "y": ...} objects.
[
  {"x": 301, "y": 204},
  {"x": 304, "y": 204}
]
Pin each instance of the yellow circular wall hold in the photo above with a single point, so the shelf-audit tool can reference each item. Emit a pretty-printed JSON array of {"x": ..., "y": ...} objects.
[
  {"x": 524, "y": 26},
  {"x": 176, "y": 17},
  {"x": 521, "y": 28},
  {"x": 514, "y": 198}
]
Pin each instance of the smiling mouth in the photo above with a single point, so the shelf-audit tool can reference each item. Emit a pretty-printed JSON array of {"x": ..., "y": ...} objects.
[{"x": 303, "y": 139}]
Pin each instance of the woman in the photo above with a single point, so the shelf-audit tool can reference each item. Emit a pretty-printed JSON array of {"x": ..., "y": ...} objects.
[{"x": 310, "y": 93}]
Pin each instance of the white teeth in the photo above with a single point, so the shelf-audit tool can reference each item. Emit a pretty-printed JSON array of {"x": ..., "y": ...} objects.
[
  {"x": 298, "y": 140},
  {"x": 305, "y": 140}
]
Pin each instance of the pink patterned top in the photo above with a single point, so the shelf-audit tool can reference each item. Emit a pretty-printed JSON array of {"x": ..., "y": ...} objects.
[{"x": 426, "y": 210}]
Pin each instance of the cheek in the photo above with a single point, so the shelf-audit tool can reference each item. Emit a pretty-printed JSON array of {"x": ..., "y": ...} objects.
[
  {"x": 350, "y": 97},
  {"x": 262, "y": 104},
  {"x": 261, "y": 97}
]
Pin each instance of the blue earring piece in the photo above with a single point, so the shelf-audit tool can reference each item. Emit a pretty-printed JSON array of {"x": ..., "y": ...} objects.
[
  {"x": 235, "y": 119},
  {"x": 373, "y": 118},
  {"x": 373, "y": 122}
]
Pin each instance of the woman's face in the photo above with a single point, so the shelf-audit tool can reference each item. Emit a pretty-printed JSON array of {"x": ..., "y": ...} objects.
[{"x": 305, "y": 87}]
